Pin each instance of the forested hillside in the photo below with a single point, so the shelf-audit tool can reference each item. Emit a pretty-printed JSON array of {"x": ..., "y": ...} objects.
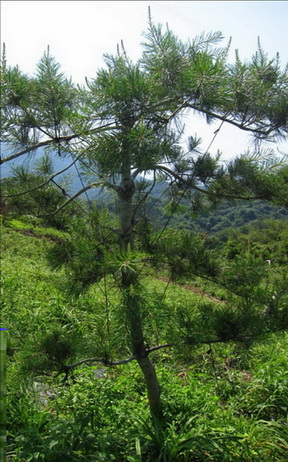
[
  {"x": 213, "y": 219},
  {"x": 157, "y": 209}
]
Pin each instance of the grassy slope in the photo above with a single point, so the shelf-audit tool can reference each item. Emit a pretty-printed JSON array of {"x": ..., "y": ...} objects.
[{"x": 229, "y": 394}]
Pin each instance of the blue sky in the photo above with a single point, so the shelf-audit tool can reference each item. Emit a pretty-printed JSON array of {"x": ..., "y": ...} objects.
[{"x": 80, "y": 32}]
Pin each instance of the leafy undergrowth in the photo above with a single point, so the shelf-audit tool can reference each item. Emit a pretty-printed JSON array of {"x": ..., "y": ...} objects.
[
  {"x": 29, "y": 227},
  {"x": 224, "y": 403}
]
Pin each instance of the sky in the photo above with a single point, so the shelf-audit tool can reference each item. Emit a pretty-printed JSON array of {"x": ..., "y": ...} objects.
[{"x": 79, "y": 33}]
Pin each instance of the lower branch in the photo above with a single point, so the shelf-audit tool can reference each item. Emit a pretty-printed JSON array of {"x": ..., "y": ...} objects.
[
  {"x": 107, "y": 362},
  {"x": 104, "y": 361}
]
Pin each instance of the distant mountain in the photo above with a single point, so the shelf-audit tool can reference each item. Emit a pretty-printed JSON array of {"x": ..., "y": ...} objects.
[
  {"x": 59, "y": 163},
  {"x": 224, "y": 216}
]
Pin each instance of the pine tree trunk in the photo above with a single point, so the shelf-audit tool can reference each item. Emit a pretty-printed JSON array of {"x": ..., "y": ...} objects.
[
  {"x": 126, "y": 192},
  {"x": 130, "y": 297},
  {"x": 125, "y": 196},
  {"x": 153, "y": 387},
  {"x": 132, "y": 302}
]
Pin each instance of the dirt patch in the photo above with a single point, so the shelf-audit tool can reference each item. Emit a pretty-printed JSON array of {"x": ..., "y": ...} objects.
[
  {"x": 193, "y": 289},
  {"x": 31, "y": 233}
]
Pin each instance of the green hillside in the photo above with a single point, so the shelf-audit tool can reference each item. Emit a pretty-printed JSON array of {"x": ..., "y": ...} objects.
[
  {"x": 225, "y": 402},
  {"x": 215, "y": 219}
]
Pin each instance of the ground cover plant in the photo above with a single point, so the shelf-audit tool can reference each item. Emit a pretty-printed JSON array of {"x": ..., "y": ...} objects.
[{"x": 229, "y": 403}]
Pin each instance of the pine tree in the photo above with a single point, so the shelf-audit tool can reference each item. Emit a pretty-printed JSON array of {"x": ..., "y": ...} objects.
[{"x": 127, "y": 122}]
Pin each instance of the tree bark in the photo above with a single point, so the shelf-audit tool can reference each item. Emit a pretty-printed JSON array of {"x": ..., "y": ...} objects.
[
  {"x": 133, "y": 301},
  {"x": 131, "y": 297},
  {"x": 125, "y": 198},
  {"x": 153, "y": 387},
  {"x": 126, "y": 192}
]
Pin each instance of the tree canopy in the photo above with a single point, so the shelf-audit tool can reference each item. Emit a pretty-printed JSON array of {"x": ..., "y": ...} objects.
[{"x": 127, "y": 120}]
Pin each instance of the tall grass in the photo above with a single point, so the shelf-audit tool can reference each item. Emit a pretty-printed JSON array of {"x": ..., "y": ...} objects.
[{"x": 225, "y": 403}]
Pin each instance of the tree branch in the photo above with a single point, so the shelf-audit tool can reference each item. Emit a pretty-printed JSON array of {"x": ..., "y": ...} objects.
[
  {"x": 203, "y": 191},
  {"x": 47, "y": 181},
  {"x": 72, "y": 198},
  {"x": 37, "y": 146},
  {"x": 233, "y": 122},
  {"x": 58, "y": 140},
  {"x": 106, "y": 362}
]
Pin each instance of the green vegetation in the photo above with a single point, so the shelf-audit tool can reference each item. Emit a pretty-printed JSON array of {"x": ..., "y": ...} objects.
[
  {"x": 133, "y": 338},
  {"x": 224, "y": 402}
]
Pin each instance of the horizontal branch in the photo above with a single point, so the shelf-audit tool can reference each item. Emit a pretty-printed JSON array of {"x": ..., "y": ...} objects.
[
  {"x": 203, "y": 191},
  {"x": 36, "y": 146},
  {"x": 189, "y": 343},
  {"x": 57, "y": 140},
  {"x": 72, "y": 198},
  {"x": 239, "y": 125},
  {"x": 106, "y": 362},
  {"x": 211, "y": 341},
  {"x": 46, "y": 181}
]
